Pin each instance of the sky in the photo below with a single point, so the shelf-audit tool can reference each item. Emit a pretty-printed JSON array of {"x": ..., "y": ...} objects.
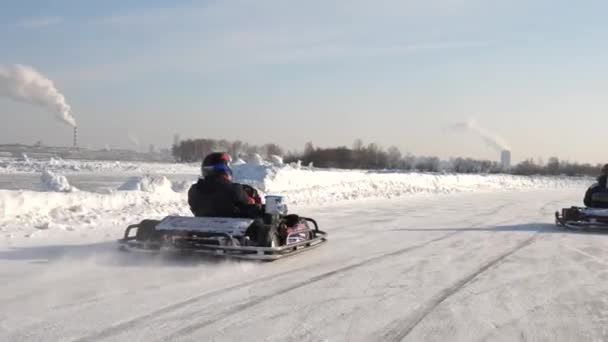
[{"x": 393, "y": 72}]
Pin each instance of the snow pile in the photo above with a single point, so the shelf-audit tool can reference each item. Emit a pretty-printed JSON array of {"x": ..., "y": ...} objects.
[
  {"x": 238, "y": 161},
  {"x": 276, "y": 160},
  {"x": 182, "y": 186},
  {"x": 255, "y": 159},
  {"x": 54, "y": 182},
  {"x": 25, "y": 158},
  {"x": 147, "y": 183},
  {"x": 255, "y": 174}
]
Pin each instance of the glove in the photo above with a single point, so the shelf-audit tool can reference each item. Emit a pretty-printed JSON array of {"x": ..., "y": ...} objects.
[{"x": 253, "y": 194}]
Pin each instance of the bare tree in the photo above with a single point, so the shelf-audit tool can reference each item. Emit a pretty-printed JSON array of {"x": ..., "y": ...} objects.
[
  {"x": 273, "y": 149},
  {"x": 553, "y": 166},
  {"x": 223, "y": 145},
  {"x": 358, "y": 145},
  {"x": 309, "y": 148},
  {"x": 394, "y": 157},
  {"x": 236, "y": 148}
]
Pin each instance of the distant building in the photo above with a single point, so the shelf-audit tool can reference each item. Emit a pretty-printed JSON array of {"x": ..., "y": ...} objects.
[
  {"x": 505, "y": 159},
  {"x": 165, "y": 152},
  {"x": 75, "y": 136}
]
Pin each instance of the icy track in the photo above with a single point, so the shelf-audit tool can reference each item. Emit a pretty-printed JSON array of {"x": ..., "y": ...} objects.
[
  {"x": 457, "y": 267},
  {"x": 445, "y": 258}
]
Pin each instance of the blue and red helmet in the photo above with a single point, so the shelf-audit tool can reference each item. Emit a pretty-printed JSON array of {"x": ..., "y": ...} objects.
[{"x": 217, "y": 164}]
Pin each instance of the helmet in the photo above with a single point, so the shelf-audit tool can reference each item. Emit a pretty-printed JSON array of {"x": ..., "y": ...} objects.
[{"x": 217, "y": 163}]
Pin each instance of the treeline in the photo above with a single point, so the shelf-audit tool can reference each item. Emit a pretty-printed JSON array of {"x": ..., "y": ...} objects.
[
  {"x": 469, "y": 165},
  {"x": 192, "y": 150},
  {"x": 374, "y": 157},
  {"x": 370, "y": 157},
  {"x": 555, "y": 167}
]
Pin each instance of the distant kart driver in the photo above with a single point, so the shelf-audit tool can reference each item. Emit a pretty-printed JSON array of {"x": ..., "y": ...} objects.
[
  {"x": 215, "y": 195},
  {"x": 597, "y": 195}
]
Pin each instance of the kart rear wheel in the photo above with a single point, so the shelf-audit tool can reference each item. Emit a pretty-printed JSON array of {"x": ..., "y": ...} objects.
[
  {"x": 268, "y": 237},
  {"x": 146, "y": 231}
]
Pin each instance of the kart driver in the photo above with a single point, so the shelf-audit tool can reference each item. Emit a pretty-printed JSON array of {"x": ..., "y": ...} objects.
[
  {"x": 216, "y": 195},
  {"x": 597, "y": 194}
]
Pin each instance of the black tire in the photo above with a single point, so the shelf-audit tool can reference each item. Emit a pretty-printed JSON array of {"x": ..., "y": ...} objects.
[
  {"x": 292, "y": 220},
  {"x": 146, "y": 231},
  {"x": 268, "y": 236}
]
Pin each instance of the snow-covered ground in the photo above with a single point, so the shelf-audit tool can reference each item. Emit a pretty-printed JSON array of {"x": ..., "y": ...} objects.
[
  {"x": 56, "y": 206},
  {"x": 416, "y": 257},
  {"x": 26, "y": 165}
]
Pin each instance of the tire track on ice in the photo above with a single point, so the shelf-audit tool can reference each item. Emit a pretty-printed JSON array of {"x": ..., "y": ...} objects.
[
  {"x": 398, "y": 330},
  {"x": 129, "y": 324},
  {"x": 192, "y": 328},
  {"x": 227, "y": 313}
]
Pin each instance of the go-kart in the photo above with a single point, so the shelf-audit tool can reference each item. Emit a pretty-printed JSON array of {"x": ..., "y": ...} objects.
[{"x": 266, "y": 238}]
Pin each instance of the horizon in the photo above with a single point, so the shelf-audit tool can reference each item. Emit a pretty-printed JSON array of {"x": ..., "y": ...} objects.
[
  {"x": 401, "y": 73},
  {"x": 159, "y": 150}
]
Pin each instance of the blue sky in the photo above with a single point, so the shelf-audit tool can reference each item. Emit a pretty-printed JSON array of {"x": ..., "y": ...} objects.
[{"x": 391, "y": 72}]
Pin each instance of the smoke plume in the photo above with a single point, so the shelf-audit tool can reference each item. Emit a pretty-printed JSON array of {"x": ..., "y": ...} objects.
[
  {"x": 488, "y": 137},
  {"x": 24, "y": 84}
]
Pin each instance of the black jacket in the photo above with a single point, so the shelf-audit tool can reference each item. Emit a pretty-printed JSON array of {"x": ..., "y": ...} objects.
[
  {"x": 219, "y": 197},
  {"x": 591, "y": 196}
]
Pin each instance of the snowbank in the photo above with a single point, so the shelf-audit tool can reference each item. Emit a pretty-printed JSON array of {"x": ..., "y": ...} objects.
[
  {"x": 255, "y": 159},
  {"x": 147, "y": 184},
  {"x": 25, "y": 158},
  {"x": 255, "y": 174},
  {"x": 306, "y": 186},
  {"x": 24, "y": 211},
  {"x": 153, "y": 196},
  {"x": 54, "y": 182},
  {"x": 27, "y": 165},
  {"x": 154, "y": 184},
  {"x": 276, "y": 160},
  {"x": 238, "y": 161}
]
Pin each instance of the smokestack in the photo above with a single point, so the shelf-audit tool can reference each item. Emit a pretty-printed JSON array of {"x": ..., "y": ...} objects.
[
  {"x": 505, "y": 159},
  {"x": 75, "y": 136}
]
